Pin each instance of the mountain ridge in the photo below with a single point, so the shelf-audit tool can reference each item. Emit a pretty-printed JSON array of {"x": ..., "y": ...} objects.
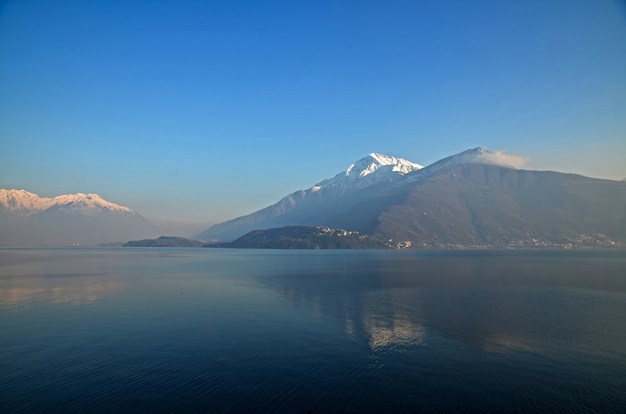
[
  {"x": 29, "y": 203},
  {"x": 473, "y": 198},
  {"x": 69, "y": 219}
]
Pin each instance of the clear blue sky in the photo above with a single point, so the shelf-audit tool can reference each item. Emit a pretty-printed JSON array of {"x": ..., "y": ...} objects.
[{"x": 201, "y": 111}]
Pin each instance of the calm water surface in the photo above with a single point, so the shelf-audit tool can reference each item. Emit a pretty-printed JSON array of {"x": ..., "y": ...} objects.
[{"x": 218, "y": 330}]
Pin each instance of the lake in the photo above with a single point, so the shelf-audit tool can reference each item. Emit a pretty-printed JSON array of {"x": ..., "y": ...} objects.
[{"x": 283, "y": 331}]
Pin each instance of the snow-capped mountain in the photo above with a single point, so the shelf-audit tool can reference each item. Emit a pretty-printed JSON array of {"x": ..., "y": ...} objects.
[
  {"x": 309, "y": 206},
  {"x": 69, "y": 219},
  {"x": 371, "y": 170},
  {"x": 26, "y": 202},
  {"x": 23, "y": 201},
  {"x": 474, "y": 198},
  {"x": 364, "y": 178}
]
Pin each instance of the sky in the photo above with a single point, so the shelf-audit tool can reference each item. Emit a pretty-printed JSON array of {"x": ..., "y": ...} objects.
[{"x": 194, "y": 112}]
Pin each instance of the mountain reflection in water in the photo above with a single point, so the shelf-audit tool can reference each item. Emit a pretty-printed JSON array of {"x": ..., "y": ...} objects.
[{"x": 491, "y": 302}]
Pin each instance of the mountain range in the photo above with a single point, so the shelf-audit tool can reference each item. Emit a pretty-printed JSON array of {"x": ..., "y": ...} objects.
[
  {"x": 475, "y": 198},
  {"x": 71, "y": 219}
]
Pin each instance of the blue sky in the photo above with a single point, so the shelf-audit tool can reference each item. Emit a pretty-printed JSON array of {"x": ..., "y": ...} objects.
[{"x": 200, "y": 111}]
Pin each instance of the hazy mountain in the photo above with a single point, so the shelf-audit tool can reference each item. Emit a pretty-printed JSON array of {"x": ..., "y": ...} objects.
[
  {"x": 71, "y": 219},
  {"x": 473, "y": 198}
]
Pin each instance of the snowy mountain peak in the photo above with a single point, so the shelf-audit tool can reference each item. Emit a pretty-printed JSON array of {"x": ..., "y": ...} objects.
[
  {"x": 374, "y": 161},
  {"x": 372, "y": 169},
  {"x": 89, "y": 201},
  {"x": 23, "y": 201},
  {"x": 26, "y": 202}
]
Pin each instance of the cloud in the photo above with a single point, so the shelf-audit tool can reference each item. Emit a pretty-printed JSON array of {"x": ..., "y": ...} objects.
[{"x": 502, "y": 159}]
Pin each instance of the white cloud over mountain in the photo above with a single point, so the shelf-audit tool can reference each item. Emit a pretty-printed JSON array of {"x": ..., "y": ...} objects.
[{"x": 502, "y": 159}]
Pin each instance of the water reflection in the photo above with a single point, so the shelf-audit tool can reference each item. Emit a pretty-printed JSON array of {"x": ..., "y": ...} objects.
[
  {"x": 489, "y": 303},
  {"x": 63, "y": 292},
  {"x": 388, "y": 320}
]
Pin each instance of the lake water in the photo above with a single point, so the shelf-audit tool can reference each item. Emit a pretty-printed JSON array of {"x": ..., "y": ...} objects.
[{"x": 219, "y": 330}]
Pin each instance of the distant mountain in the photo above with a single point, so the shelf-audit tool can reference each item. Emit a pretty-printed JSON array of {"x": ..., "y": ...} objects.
[
  {"x": 314, "y": 206},
  {"x": 22, "y": 201},
  {"x": 164, "y": 241},
  {"x": 71, "y": 219},
  {"x": 305, "y": 237},
  {"x": 474, "y": 198}
]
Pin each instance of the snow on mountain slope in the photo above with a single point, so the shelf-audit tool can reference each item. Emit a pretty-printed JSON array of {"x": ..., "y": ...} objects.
[
  {"x": 22, "y": 201},
  {"x": 91, "y": 201},
  {"x": 370, "y": 170}
]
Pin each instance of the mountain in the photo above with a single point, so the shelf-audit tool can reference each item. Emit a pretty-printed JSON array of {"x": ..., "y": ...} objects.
[
  {"x": 316, "y": 205},
  {"x": 493, "y": 206},
  {"x": 70, "y": 219},
  {"x": 474, "y": 198}
]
